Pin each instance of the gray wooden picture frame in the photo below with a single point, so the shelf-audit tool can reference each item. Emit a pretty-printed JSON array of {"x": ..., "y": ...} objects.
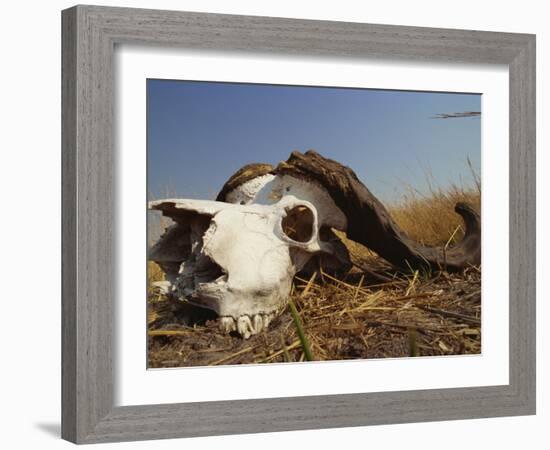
[{"x": 90, "y": 34}]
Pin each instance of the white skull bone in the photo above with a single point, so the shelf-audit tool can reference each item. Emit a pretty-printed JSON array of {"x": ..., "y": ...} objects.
[{"x": 239, "y": 258}]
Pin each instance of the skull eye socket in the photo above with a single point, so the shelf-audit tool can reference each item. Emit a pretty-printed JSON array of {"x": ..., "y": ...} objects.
[{"x": 298, "y": 223}]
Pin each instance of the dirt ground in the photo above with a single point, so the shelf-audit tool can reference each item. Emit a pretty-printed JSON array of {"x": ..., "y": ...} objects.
[{"x": 370, "y": 312}]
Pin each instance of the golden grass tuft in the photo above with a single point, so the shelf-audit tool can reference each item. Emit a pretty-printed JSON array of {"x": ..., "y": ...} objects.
[
  {"x": 431, "y": 219},
  {"x": 154, "y": 273}
]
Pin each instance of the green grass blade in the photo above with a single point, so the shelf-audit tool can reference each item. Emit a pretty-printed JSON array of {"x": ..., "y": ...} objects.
[
  {"x": 413, "y": 346},
  {"x": 300, "y": 330}
]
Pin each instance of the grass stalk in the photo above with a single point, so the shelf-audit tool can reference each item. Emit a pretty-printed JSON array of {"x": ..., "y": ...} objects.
[
  {"x": 413, "y": 345},
  {"x": 300, "y": 330},
  {"x": 285, "y": 350}
]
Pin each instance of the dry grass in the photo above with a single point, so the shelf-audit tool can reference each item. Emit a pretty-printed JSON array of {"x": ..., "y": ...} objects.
[
  {"x": 432, "y": 220},
  {"x": 154, "y": 273},
  {"x": 357, "y": 316}
]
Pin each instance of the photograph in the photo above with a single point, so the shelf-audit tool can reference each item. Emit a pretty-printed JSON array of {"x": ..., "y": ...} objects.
[{"x": 290, "y": 224}]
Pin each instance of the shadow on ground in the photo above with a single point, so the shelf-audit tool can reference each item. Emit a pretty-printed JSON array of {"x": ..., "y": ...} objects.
[{"x": 53, "y": 429}]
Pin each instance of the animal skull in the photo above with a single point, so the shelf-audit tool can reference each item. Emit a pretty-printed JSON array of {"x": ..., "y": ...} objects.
[
  {"x": 238, "y": 255},
  {"x": 239, "y": 259}
]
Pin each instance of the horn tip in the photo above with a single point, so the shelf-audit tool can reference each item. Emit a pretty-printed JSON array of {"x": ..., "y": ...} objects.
[{"x": 463, "y": 207}]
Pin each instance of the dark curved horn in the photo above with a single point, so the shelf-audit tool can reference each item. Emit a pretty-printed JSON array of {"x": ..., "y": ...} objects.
[
  {"x": 370, "y": 224},
  {"x": 244, "y": 174}
]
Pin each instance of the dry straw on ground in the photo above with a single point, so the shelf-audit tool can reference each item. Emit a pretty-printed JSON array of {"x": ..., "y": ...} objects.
[{"x": 371, "y": 312}]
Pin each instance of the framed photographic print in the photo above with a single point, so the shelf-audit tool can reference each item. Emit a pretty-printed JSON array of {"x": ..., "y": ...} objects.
[{"x": 279, "y": 224}]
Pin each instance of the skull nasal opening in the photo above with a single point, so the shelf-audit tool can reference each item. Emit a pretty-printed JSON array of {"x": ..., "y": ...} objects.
[{"x": 298, "y": 223}]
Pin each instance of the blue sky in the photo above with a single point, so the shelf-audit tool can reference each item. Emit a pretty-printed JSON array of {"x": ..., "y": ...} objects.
[{"x": 200, "y": 133}]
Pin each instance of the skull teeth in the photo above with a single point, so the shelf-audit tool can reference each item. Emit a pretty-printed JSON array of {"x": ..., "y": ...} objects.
[
  {"x": 246, "y": 325},
  {"x": 227, "y": 324},
  {"x": 258, "y": 323}
]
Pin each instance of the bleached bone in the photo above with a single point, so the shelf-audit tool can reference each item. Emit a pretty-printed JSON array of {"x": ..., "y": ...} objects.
[{"x": 237, "y": 260}]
